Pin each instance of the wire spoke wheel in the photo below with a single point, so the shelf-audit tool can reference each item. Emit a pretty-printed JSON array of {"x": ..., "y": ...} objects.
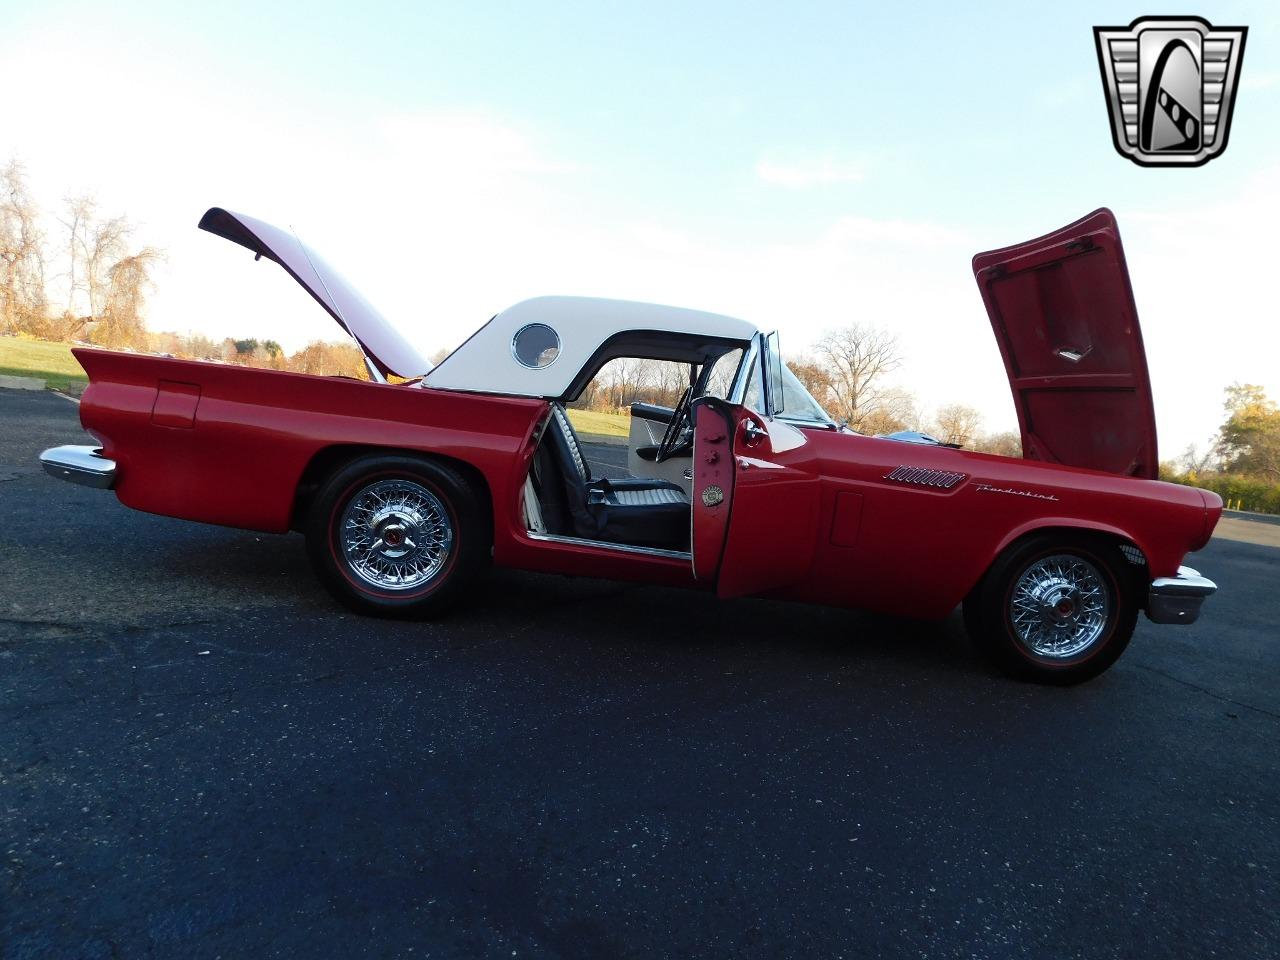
[
  {"x": 1059, "y": 607},
  {"x": 395, "y": 534}
]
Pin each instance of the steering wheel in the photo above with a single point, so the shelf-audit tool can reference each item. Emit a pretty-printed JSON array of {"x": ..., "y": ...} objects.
[{"x": 675, "y": 427}]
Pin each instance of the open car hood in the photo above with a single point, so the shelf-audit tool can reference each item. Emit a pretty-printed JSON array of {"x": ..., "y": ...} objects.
[
  {"x": 382, "y": 344},
  {"x": 1063, "y": 314}
]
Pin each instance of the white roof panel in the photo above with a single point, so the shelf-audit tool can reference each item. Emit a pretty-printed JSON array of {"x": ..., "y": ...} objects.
[{"x": 487, "y": 363}]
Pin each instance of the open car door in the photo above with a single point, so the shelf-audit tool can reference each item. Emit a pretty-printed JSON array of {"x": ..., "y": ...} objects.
[
  {"x": 713, "y": 476},
  {"x": 1063, "y": 314},
  {"x": 755, "y": 517}
]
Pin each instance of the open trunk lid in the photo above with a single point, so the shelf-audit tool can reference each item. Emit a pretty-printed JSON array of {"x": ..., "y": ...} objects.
[
  {"x": 382, "y": 343},
  {"x": 1063, "y": 313}
]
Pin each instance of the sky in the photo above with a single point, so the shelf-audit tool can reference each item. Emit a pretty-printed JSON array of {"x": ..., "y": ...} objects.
[{"x": 802, "y": 165}]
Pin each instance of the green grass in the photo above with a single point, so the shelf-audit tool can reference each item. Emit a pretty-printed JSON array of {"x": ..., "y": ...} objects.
[
  {"x": 52, "y": 362},
  {"x": 601, "y": 424}
]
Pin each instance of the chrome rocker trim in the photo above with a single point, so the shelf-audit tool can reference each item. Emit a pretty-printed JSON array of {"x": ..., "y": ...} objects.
[
  {"x": 1177, "y": 599},
  {"x": 83, "y": 465},
  {"x": 605, "y": 545}
]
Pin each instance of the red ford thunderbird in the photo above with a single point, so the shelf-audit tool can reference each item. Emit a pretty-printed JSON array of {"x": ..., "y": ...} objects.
[{"x": 407, "y": 490}]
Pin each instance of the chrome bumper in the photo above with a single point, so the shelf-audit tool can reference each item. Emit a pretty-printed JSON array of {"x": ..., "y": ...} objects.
[
  {"x": 84, "y": 465},
  {"x": 1177, "y": 599}
]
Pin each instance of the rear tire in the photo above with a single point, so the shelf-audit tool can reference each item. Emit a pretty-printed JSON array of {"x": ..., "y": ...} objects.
[
  {"x": 1057, "y": 609},
  {"x": 397, "y": 536}
]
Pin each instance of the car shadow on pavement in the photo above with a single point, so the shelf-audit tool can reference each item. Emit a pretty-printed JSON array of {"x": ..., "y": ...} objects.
[{"x": 273, "y": 572}]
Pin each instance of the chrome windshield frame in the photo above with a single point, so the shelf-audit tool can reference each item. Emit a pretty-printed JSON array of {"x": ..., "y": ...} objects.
[{"x": 742, "y": 378}]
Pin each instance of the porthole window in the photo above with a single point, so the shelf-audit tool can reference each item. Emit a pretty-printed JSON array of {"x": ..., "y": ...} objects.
[{"x": 535, "y": 346}]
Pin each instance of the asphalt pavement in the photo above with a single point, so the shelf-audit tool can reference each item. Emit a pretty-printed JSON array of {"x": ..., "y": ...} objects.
[{"x": 202, "y": 756}]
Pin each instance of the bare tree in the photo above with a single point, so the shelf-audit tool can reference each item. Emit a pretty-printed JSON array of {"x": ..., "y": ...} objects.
[
  {"x": 128, "y": 279},
  {"x": 623, "y": 380},
  {"x": 669, "y": 381},
  {"x": 93, "y": 247},
  {"x": 896, "y": 410},
  {"x": 1194, "y": 461},
  {"x": 22, "y": 298},
  {"x": 957, "y": 423},
  {"x": 856, "y": 359},
  {"x": 1001, "y": 444}
]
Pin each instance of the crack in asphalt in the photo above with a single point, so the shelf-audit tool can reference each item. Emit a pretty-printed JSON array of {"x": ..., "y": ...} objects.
[{"x": 1212, "y": 693}]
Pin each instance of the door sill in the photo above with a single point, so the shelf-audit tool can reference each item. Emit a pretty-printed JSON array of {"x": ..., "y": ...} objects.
[{"x": 604, "y": 545}]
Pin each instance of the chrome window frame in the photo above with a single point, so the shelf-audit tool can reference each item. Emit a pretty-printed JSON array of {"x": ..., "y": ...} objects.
[
  {"x": 748, "y": 366},
  {"x": 766, "y": 369}
]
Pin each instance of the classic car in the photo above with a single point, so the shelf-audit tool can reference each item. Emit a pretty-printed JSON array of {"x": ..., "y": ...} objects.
[{"x": 409, "y": 484}]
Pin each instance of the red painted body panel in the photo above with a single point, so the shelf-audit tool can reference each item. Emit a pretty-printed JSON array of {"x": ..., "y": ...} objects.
[
  {"x": 256, "y": 430},
  {"x": 774, "y": 527},
  {"x": 919, "y": 550},
  {"x": 814, "y": 517}
]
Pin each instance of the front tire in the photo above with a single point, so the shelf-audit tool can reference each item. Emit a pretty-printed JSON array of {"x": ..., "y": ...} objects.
[
  {"x": 397, "y": 536},
  {"x": 1055, "y": 609}
]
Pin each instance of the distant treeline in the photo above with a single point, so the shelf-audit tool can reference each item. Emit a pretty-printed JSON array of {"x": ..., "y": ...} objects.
[{"x": 325, "y": 358}]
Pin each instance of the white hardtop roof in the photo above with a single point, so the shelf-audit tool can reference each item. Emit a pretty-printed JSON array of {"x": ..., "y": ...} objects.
[{"x": 487, "y": 362}]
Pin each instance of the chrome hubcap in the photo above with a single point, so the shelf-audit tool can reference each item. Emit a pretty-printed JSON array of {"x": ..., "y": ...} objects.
[
  {"x": 1059, "y": 607},
  {"x": 396, "y": 534}
]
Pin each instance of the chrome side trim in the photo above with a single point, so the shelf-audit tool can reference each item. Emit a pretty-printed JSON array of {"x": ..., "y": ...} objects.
[
  {"x": 1178, "y": 599},
  {"x": 620, "y": 547},
  {"x": 83, "y": 465}
]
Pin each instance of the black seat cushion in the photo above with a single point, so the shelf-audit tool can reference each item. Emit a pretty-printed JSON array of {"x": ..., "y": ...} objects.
[{"x": 638, "y": 511}]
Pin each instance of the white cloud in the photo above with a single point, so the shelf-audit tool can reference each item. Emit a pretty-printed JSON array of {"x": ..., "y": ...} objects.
[{"x": 816, "y": 173}]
